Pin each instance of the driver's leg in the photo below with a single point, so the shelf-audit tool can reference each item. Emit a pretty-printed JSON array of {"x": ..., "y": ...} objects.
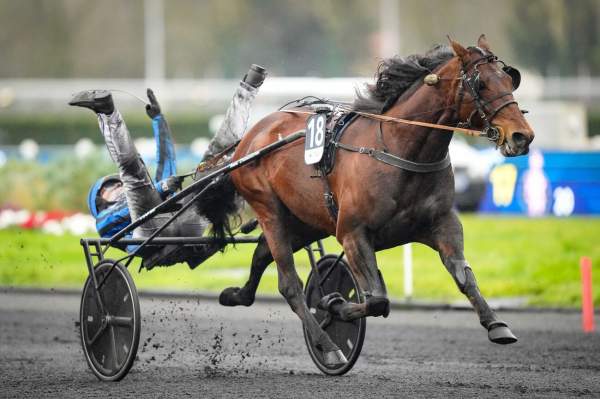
[
  {"x": 139, "y": 188},
  {"x": 236, "y": 117}
]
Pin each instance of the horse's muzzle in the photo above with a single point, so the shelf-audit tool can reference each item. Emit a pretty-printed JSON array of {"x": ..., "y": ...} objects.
[{"x": 517, "y": 144}]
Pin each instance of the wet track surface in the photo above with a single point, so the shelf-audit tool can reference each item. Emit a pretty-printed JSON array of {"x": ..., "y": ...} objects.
[{"x": 200, "y": 349}]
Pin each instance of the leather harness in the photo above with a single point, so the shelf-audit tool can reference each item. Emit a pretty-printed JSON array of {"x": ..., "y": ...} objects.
[{"x": 333, "y": 142}]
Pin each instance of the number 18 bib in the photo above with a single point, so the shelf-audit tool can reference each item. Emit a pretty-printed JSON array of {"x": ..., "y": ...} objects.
[{"x": 315, "y": 138}]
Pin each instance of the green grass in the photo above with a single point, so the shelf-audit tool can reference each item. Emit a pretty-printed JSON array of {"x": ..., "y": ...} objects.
[{"x": 512, "y": 257}]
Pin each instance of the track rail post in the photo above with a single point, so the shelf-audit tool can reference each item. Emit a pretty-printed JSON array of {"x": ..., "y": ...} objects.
[{"x": 587, "y": 300}]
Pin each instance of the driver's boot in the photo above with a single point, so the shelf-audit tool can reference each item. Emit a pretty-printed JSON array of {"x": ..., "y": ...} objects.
[
  {"x": 99, "y": 101},
  {"x": 256, "y": 76}
]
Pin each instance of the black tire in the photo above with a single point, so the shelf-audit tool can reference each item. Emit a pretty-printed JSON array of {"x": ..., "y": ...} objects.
[
  {"x": 116, "y": 331},
  {"x": 347, "y": 335}
]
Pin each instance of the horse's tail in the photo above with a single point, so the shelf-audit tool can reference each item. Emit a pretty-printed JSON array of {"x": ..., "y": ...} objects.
[{"x": 221, "y": 205}]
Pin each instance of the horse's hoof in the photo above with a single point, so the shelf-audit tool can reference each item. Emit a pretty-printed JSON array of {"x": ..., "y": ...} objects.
[
  {"x": 329, "y": 301},
  {"x": 334, "y": 359},
  {"x": 231, "y": 297},
  {"x": 378, "y": 306},
  {"x": 499, "y": 333}
]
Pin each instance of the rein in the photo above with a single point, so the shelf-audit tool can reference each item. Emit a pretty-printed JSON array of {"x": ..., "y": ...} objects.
[{"x": 385, "y": 118}]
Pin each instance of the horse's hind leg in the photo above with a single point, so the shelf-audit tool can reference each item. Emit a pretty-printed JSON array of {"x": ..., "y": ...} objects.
[
  {"x": 234, "y": 296},
  {"x": 448, "y": 240},
  {"x": 275, "y": 230},
  {"x": 301, "y": 236}
]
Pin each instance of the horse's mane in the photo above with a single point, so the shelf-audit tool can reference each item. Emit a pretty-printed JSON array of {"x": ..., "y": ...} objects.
[{"x": 396, "y": 75}]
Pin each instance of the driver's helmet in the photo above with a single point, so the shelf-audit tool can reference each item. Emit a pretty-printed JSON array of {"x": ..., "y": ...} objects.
[{"x": 95, "y": 203}]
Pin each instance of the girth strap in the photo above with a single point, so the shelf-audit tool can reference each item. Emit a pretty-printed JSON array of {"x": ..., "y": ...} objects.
[{"x": 396, "y": 161}]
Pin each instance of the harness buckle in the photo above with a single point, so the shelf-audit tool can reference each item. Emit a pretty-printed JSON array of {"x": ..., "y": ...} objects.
[
  {"x": 364, "y": 150},
  {"x": 492, "y": 133}
]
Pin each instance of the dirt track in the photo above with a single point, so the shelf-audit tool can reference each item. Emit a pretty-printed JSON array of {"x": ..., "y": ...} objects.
[{"x": 200, "y": 349}]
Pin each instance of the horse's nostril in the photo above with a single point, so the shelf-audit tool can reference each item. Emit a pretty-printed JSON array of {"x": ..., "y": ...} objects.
[{"x": 520, "y": 139}]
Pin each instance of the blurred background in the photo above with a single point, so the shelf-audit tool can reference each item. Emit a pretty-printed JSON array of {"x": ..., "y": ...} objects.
[{"x": 193, "y": 53}]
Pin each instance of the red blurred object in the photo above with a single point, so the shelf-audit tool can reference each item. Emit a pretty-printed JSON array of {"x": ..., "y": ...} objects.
[
  {"x": 587, "y": 301},
  {"x": 37, "y": 219},
  {"x": 33, "y": 222}
]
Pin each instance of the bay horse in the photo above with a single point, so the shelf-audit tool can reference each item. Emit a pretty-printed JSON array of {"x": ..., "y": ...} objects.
[{"x": 380, "y": 206}]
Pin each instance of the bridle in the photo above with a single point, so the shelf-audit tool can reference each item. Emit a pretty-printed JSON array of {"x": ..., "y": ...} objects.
[{"x": 472, "y": 84}]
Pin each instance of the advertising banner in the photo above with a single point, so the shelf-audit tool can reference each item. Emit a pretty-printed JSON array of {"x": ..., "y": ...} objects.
[{"x": 545, "y": 183}]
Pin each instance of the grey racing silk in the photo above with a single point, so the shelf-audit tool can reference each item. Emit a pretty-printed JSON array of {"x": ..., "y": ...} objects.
[{"x": 236, "y": 120}]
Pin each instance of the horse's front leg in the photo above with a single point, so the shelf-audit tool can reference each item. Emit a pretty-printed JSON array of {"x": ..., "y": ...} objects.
[{"x": 448, "y": 241}]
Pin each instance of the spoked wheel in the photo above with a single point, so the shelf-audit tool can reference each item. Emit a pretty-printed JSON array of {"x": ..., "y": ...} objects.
[
  {"x": 110, "y": 322},
  {"x": 347, "y": 335}
]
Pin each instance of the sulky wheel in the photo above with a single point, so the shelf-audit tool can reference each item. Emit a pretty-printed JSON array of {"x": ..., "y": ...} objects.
[
  {"x": 110, "y": 322},
  {"x": 347, "y": 335}
]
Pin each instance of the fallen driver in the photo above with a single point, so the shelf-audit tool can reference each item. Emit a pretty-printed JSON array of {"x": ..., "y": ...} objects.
[{"x": 117, "y": 200}]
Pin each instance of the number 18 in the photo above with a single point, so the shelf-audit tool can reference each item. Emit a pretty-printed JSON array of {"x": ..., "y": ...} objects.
[{"x": 317, "y": 133}]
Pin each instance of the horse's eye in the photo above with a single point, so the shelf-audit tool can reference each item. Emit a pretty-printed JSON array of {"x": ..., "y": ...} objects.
[{"x": 481, "y": 85}]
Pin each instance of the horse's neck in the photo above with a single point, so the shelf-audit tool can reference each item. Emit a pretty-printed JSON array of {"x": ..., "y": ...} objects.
[{"x": 417, "y": 143}]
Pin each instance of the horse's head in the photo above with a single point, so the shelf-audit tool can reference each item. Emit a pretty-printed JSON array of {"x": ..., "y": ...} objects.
[{"x": 485, "y": 100}]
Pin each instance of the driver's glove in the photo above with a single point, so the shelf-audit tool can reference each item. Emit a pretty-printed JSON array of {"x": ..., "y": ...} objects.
[
  {"x": 152, "y": 109},
  {"x": 171, "y": 184}
]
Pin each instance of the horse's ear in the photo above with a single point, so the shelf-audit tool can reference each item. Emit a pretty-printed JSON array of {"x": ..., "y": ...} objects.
[
  {"x": 483, "y": 43},
  {"x": 458, "y": 49}
]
